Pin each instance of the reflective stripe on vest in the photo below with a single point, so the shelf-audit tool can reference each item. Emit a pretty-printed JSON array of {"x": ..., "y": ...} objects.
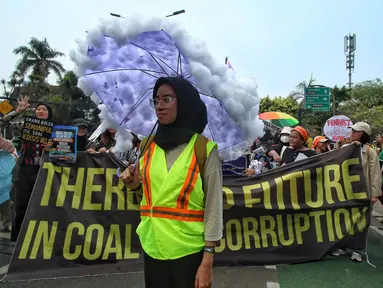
[
  {"x": 181, "y": 211},
  {"x": 173, "y": 202}
]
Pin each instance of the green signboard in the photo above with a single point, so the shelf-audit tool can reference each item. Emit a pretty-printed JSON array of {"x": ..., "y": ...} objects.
[{"x": 317, "y": 99}]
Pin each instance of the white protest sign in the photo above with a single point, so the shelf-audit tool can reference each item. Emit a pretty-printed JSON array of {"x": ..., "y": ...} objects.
[{"x": 336, "y": 128}]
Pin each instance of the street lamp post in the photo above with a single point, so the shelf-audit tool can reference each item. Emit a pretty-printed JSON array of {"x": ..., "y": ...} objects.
[
  {"x": 176, "y": 13},
  {"x": 173, "y": 14},
  {"x": 116, "y": 15}
]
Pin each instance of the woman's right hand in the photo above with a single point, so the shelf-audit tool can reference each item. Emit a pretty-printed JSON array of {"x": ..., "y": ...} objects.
[
  {"x": 276, "y": 158},
  {"x": 22, "y": 104},
  {"x": 130, "y": 177}
]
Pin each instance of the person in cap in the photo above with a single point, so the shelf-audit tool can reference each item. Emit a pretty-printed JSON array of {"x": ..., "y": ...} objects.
[
  {"x": 26, "y": 171},
  {"x": 297, "y": 149},
  {"x": 321, "y": 144},
  {"x": 361, "y": 136},
  {"x": 276, "y": 151},
  {"x": 182, "y": 203},
  {"x": 82, "y": 137}
]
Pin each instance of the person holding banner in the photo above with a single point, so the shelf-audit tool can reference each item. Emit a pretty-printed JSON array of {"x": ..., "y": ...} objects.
[
  {"x": 276, "y": 151},
  {"x": 361, "y": 136},
  {"x": 82, "y": 138},
  {"x": 25, "y": 173},
  {"x": 321, "y": 144},
  {"x": 297, "y": 150},
  {"x": 182, "y": 204}
]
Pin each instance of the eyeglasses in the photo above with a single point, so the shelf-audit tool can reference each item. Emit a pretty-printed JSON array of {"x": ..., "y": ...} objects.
[{"x": 167, "y": 100}]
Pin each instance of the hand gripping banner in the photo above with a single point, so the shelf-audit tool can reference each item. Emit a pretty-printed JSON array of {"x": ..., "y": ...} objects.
[{"x": 82, "y": 221}]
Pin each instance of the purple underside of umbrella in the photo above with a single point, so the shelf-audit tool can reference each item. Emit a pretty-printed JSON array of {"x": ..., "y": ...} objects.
[{"x": 125, "y": 77}]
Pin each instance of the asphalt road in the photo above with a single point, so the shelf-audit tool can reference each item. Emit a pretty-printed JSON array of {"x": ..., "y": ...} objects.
[{"x": 332, "y": 272}]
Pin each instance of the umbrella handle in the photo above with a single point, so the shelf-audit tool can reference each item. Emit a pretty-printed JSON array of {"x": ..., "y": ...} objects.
[
  {"x": 139, "y": 155},
  {"x": 136, "y": 162},
  {"x": 118, "y": 173}
]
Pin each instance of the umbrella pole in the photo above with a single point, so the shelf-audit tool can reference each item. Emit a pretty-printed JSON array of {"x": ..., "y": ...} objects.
[
  {"x": 139, "y": 155},
  {"x": 143, "y": 148}
]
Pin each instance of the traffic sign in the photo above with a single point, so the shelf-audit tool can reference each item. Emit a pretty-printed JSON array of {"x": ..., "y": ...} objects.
[
  {"x": 317, "y": 99},
  {"x": 5, "y": 107}
]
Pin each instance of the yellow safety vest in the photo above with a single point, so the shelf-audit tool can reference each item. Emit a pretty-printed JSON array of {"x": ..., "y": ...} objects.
[{"x": 172, "y": 206}]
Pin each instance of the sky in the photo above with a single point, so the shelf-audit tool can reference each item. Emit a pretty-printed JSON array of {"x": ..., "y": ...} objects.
[{"x": 277, "y": 42}]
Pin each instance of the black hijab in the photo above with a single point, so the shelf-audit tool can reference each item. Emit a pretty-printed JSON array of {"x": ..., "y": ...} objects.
[
  {"x": 191, "y": 114},
  {"x": 49, "y": 108}
]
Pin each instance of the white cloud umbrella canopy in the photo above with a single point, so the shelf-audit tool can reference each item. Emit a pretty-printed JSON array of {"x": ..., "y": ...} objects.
[{"x": 120, "y": 61}]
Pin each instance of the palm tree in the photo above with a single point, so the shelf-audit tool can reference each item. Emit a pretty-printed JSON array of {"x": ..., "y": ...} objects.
[
  {"x": 39, "y": 57},
  {"x": 16, "y": 80},
  {"x": 300, "y": 92},
  {"x": 4, "y": 83}
]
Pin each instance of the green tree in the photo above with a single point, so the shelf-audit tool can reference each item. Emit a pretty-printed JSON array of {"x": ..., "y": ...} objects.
[
  {"x": 16, "y": 80},
  {"x": 288, "y": 105},
  {"x": 4, "y": 84},
  {"x": 341, "y": 95},
  {"x": 69, "y": 101},
  {"x": 365, "y": 103}
]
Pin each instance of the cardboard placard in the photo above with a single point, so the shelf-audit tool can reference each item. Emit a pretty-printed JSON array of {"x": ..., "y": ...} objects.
[
  {"x": 36, "y": 130},
  {"x": 64, "y": 146}
]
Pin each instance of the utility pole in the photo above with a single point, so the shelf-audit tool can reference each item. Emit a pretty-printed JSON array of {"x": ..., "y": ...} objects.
[{"x": 349, "y": 50}]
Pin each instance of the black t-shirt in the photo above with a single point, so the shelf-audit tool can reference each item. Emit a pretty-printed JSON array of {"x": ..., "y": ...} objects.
[
  {"x": 277, "y": 148},
  {"x": 290, "y": 154},
  {"x": 82, "y": 142}
]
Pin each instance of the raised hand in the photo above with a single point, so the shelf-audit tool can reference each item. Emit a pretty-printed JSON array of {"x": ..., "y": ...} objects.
[{"x": 22, "y": 104}]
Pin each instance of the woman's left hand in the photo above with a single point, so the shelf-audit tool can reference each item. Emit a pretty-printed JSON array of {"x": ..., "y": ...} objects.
[
  {"x": 379, "y": 138},
  {"x": 204, "y": 277},
  {"x": 249, "y": 172},
  {"x": 102, "y": 150}
]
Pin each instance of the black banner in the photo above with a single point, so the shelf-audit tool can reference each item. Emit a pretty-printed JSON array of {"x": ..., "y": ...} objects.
[
  {"x": 36, "y": 130},
  {"x": 82, "y": 221}
]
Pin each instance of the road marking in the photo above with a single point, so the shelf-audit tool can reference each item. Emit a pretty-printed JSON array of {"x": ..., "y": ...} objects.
[
  {"x": 4, "y": 269},
  {"x": 272, "y": 285},
  {"x": 272, "y": 267}
]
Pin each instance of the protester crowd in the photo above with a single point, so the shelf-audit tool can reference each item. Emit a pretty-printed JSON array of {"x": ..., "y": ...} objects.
[
  {"x": 28, "y": 160},
  {"x": 177, "y": 135}
]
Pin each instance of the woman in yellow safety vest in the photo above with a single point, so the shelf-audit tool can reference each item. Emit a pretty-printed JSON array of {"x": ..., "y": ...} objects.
[{"x": 181, "y": 207}]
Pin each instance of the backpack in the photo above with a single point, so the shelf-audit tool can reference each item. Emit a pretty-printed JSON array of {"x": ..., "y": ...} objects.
[{"x": 199, "y": 148}]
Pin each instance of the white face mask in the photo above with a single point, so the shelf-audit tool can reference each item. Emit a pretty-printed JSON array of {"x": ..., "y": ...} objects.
[{"x": 285, "y": 139}]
